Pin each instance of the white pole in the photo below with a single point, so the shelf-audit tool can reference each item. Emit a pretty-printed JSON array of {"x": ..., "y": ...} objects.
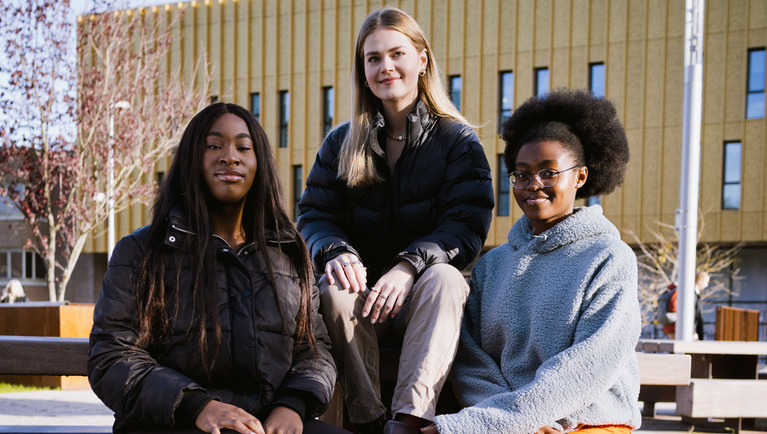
[{"x": 687, "y": 214}]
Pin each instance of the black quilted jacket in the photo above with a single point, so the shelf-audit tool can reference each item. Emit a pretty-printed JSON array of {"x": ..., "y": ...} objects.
[
  {"x": 259, "y": 364},
  {"x": 434, "y": 207}
]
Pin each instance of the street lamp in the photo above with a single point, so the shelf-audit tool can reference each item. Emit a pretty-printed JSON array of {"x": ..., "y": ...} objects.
[{"x": 110, "y": 178}]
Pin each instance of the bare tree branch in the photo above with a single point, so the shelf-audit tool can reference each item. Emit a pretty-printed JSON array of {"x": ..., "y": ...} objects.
[
  {"x": 658, "y": 266},
  {"x": 56, "y": 143}
]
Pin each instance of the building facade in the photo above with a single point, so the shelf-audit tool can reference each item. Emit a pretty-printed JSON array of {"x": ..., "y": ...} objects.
[{"x": 289, "y": 61}]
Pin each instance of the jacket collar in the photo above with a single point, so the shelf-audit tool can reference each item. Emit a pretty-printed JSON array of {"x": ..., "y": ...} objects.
[
  {"x": 419, "y": 122},
  {"x": 179, "y": 232}
]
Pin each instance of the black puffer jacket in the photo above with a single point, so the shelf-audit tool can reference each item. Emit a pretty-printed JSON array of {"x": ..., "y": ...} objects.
[
  {"x": 434, "y": 207},
  {"x": 260, "y": 363}
]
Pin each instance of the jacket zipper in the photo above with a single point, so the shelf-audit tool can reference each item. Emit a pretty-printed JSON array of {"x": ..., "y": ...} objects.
[
  {"x": 180, "y": 229},
  {"x": 395, "y": 182}
]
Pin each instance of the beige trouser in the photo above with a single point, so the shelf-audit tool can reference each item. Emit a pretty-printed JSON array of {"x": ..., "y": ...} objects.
[{"x": 429, "y": 324}]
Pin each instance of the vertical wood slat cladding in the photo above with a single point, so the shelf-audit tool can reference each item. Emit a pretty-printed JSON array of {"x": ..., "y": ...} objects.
[{"x": 302, "y": 45}]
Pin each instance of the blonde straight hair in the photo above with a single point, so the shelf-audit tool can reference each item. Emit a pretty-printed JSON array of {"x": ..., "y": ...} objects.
[{"x": 355, "y": 164}]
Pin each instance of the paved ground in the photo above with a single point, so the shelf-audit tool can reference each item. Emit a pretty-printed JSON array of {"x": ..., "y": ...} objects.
[
  {"x": 82, "y": 408},
  {"x": 54, "y": 407}
]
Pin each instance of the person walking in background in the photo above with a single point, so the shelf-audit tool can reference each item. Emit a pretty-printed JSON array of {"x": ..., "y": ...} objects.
[
  {"x": 397, "y": 202},
  {"x": 207, "y": 317},
  {"x": 552, "y": 320},
  {"x": 667, "y": 307}
]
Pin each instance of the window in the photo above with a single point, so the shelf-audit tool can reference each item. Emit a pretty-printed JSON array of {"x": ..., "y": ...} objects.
[
  {"x": 255, "y": 105},
  {"x": 454, "y": 85},
  {"x": 504, "y": 189},
  {"x": 755, "y": 85},
  {"x": 298, "y": 187},
  {"x": 597, "y": 79},
  {"x": 24, "y": 265},
  {"x": 16, "y": 264},
  {"x": 34, "y": 265},
  {"x": 284, "y": 117},
  {"x": 327, "y": 110},
  {"x": 541, "y": 81},
  {"x": 506, "y": 97},
  {"x": 731, "y": 176}
]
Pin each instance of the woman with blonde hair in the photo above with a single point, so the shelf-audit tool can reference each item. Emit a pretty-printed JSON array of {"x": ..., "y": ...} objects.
[{"x": 400, "y": 199}]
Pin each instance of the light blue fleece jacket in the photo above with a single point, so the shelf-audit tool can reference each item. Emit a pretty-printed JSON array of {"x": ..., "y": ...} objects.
[{"x": 549, "y": 332}]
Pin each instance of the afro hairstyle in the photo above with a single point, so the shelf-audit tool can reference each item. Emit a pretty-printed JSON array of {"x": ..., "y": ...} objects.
[{"x": 590, "y": 121}]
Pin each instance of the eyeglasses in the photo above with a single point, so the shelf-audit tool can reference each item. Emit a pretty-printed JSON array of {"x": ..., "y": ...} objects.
[{"x": 547, "y": 177}]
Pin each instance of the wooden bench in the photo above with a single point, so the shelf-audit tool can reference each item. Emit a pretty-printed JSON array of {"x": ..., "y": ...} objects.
[
  {"x": 723, "y": 398},
  {"x": 35, "y": 355},
  {"x": 724, "y": 383},
  {"x": 25, "y": 355},
  {"x": 664, "y": 369},
  {"x": 660, "y": 374}
]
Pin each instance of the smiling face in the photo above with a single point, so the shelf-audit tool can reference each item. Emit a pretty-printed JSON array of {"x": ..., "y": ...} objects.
[
  {"x": 547, "y": 206},
  {"x": 229, "y": 162},
  {"x": 392, "y": 67}
]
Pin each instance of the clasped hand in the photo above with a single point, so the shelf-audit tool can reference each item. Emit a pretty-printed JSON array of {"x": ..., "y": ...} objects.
[
  {"x": 386, "y": 297},
  {"x": 218, "y": 415}
]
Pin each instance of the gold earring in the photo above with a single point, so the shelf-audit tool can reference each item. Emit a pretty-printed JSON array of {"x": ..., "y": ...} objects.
[{"x": 423, "y": 72}]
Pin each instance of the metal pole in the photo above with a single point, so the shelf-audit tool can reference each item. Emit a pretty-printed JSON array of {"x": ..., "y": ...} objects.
[{"x": 687, "y": 214}]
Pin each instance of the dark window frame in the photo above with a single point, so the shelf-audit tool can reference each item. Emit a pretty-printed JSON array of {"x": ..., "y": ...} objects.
[
  {"x": 30, "y": 265},
  {"x": 537, "y": 81},
  {"x": 298, "y": 184},
  {"x": 755, "y": 91},
  {"x": 328, "y": 107},
  {"x": 455, "y": 97},
  {"x": 728, "y": 184},
  {"x": 284, "y": 111},
  {"x": 255, "y": 105},
  {"x": 591, "y": 78},
  {"x": 504, "y": 112},
  {"x": 503, "y": 207}
]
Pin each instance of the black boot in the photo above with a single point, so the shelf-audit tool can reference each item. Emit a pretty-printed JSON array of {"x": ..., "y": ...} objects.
[{"x": 374, "y": 427}]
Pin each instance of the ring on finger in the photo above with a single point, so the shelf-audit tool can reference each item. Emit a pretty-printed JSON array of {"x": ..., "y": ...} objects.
[
  {"x": 382, "y": 296},
  {"x": 374, "y": 289},
  {"x": 346, "y": 264},
  {"x": 356, "y": 262}
]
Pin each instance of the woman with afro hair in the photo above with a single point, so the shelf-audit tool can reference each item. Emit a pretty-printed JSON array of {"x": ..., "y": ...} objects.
[{"x": 552, "y": 319}]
